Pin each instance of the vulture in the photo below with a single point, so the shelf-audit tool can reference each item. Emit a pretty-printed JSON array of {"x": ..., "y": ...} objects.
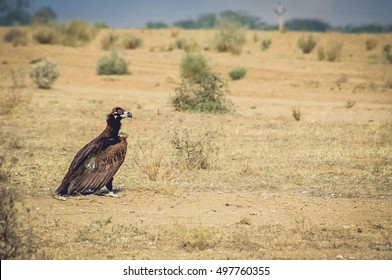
[{"x": 96, "y": 163}]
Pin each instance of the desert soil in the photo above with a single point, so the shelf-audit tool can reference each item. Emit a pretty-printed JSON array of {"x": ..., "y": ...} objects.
[{"x": 276, "y": 188}]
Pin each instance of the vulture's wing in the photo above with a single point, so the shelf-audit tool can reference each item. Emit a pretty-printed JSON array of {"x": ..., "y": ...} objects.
[{"x": 92, "y": 169}]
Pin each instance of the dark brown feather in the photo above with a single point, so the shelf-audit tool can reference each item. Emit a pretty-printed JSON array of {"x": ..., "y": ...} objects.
[{"x": 97, "y": 162}]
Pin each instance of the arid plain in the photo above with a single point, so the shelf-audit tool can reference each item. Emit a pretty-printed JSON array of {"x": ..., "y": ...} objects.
[{"x": 275, "y": 187}]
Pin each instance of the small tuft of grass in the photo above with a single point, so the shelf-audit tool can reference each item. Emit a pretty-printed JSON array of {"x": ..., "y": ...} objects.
[
  {"x": 194, "y": 151},
  {"x": 201, "y": 237},
  {"x": 149, "y": 158},
  {"x": 265, "y": 44},
  {"x": 131, "y": 41},
  {"x": 238, "y": 73},
  {"x": 112, "y": 64},
  {"x": 306, "y": 44},
  {"x": 44, "y": 72},
  {"x": 296, "y": 113},
  {"x": 349, "y": 104}
]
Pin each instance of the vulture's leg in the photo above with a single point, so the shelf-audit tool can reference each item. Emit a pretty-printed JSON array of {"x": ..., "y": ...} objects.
[{"x": 109, "y": 186}]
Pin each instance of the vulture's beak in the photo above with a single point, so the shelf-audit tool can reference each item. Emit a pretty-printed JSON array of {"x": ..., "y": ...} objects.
[{"x": 126, "y": 115}]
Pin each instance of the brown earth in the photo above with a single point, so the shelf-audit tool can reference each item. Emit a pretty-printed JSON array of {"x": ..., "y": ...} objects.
[{"x": 276, "y": 188}]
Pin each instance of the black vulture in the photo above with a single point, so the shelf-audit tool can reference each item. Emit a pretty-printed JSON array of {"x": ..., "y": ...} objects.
[{"x": 97, "y": 162}]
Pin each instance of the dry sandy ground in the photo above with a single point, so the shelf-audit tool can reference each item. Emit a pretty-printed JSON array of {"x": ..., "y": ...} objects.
[{"x": 319, "y": 188}]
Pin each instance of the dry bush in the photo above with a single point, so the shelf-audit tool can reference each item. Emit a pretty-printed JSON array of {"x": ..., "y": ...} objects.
[
  {"x": 109, "y": 41},
  {"x": 332, "y": 52},
  {"x": 47, "y": 34},
  {"x": 77, "y": 33},
  {"x": 371, "y": 44},
  {"x": 149, "y": 157},
  {"x": 15, "y": 95},
  {"x": 229, "y": 37},
  {"x": 306, "y": 44},
  {"x": 17, "y": 240},
  {"x": 18, "y": 78},
  {"x": 296, "y": 113},
  {"x": 200, "y": 237},
  {"x": 387, "y": 52},
  {"x": 44, "y": 72},
  {"x": 187, "y": 45},
  {"x": 175, "y": 31},
  {"x": 194, "y": 151},
  {"x": 131, "y": 41},
  {"x": 74, "y": 33},
  {"x": 10, "y": 99},
  {"x": 16, "y": 37}
]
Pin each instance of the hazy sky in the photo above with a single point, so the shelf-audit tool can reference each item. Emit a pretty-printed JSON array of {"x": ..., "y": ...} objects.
[{"x": 132, "y": 13}]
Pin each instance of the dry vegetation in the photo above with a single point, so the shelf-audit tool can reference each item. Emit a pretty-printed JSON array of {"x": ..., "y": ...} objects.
[{"x": 267, "y": 186}]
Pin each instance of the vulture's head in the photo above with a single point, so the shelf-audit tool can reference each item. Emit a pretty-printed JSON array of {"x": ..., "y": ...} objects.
[{"x": 119, "y": 113}]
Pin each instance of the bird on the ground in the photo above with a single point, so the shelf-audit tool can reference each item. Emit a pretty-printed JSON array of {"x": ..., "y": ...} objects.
[{"x": 96, "y": 163}]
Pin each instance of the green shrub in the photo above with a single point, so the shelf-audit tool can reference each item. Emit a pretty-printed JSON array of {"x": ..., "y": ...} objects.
[
  {"x": 238, "y": 73},
  {"x": 44, "y": 72},
  {"x": 112, "y": 65},
  {"x": 208, "y": 96},
  {"x": 16, "y": 37},
  {"x": 265, "y": 44},
  {"x": 230, "y": 37},
  {"x": 306, "y": 44},
  {"x": 194, "y": 67},
  {"x": 131, "y": 41}
]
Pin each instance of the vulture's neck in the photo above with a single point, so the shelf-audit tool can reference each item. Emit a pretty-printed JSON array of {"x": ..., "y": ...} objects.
[{"x": 112, "y": 128}]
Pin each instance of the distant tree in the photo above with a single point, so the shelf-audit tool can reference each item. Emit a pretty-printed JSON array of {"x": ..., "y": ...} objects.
[
  {"x": 207, "y": 21},
  {"x": 156, "y": 25},
  {"x": 186, "y": 24},
  {"x": 307, "y": 25},
  {"x": 367, "y": 28},
  {"x": 252, "y": 22},
  {"x": 44, "y": 15},
  {"x": 14, "y": 12}
]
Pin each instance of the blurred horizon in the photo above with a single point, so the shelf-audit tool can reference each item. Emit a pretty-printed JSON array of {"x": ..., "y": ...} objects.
[{"x": 133, "y": 14}]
